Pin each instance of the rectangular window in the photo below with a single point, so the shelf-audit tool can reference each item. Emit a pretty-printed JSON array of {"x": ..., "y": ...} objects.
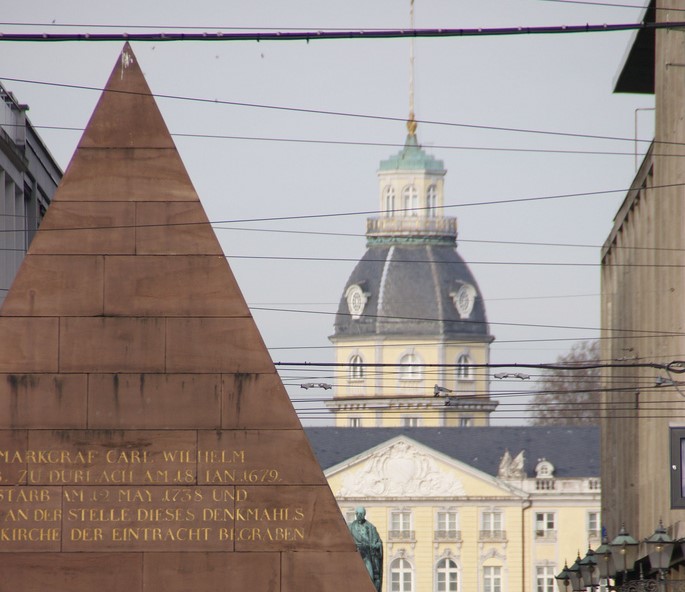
[
  {"x": 411, "y": 422},
  {"x": 593, "y": 525},
  {"x": 447, "y": 521},
  {"x": 400, "y": 526},
  {"x": 491, "y": 521},
  {"x": 447, "y": 526},
  {"x": 677, "y": 437},
  {"x": 492, "y": 579},
  {"x": 465, "y": 422},
  {"x": 400, "y": 520},
  {"x": 491, "y": 526},
  {"x": 544, "y": 578},
  {"x": 545, "y": 527},
  {"x": 355, "y": 422}
]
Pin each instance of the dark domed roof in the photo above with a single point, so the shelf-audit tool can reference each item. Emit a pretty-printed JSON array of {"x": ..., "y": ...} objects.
[{"x": 412, "y": 289}]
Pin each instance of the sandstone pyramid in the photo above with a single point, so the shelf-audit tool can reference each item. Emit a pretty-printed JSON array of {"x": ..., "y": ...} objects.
[{"x": 146, "y": 442}]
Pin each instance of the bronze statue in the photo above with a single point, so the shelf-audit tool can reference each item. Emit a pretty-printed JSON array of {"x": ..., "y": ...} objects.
[{"x": 369, "y": 545}]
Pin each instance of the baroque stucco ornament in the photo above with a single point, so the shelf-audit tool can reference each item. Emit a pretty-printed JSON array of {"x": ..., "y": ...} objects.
[
  {"x": 356, "y": 300},
  {"x": 464, "y": 300},
  {"x": 512, "y": 467},
  {"x": 400, "y": 470}
]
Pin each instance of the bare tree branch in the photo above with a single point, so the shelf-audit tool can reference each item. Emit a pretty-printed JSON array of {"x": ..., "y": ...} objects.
[{"x": 569, "y": 397}]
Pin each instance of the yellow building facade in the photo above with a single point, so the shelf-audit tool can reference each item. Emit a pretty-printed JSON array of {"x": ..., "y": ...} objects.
[
  {"x": 411, "y": 322},
  {"x": 503, "y": 525},
  {"x": 460, "y": 505},
  {"x": 388, "y": 393}
]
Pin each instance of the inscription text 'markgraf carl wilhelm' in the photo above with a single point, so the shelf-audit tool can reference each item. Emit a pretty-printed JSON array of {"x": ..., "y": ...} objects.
[
  {"x": 97, "y": 498},
  {"x": 119, "y": 467}
]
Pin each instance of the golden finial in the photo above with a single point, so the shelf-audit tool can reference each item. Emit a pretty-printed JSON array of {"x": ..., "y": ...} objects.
[{"x": 411, "y": 124}]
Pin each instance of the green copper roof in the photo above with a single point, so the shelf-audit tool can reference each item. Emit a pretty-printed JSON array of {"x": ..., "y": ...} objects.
[{"x": 412, "y": 158}]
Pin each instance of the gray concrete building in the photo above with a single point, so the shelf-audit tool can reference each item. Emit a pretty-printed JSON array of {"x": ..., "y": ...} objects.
[
  {"x": 29, "y": 177},
  {"x": 643, "y": 309}
]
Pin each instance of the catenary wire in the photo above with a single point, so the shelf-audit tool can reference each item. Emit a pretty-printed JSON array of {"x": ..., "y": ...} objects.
[
  {"x": 346, "y": 114},
  {"x": 216, "y": 226},
  {"x": 631, "y": 154},
  {"x": 371, "y": 212},
  {"x": 346, "y": 35}
]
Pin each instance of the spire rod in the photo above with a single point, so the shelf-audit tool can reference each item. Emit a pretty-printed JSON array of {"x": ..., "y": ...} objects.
[{"x": 411, "y": 122}]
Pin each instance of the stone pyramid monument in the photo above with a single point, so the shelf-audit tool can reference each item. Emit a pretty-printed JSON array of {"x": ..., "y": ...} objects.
[{"x": 146, "y": 442}]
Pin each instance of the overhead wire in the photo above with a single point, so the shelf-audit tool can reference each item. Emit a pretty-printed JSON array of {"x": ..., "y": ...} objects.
[
  {"x": 346, "y": 114},
  {"x": 216, "y": 226},
  {"x": 329, "y": 34},
  {"x": 631, "y": 365},
  {"x": 293, "y": 140},
  {"x": 675, "y": 366},
  {"x": 368, "y": 212},
  {"x": 632, "y": 333},
  {"x": 460, "y": 204}
]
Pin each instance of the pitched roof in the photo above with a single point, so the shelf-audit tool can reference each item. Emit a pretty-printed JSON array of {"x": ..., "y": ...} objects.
[
  {"x": 574, "y": 451},
  {"x": 412, "y": 158}
]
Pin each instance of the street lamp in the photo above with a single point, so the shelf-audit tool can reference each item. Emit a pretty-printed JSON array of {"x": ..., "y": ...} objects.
[
  {"x": 575, "y": 576},
  {"x": 605, "y": 562},
  {"x": 660, "y": 548},
  {"x": 624, "y": 550},
  {"x": 564, "y": 579},
  {"x": 589, "y": 569}
]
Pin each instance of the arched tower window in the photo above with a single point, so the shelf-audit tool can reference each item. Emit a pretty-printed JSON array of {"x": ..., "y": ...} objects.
[
  {"x": 446, "y": 576},
  {"x": 389, "y": 200},
  {"x": 464, "y": 371},
  {"x": 431, "y": 201},
  {"x": 401, "y": 576},
  {"x": 410, "y": 200},
  {"x": 356, "y": 370},
  {"x": 410, "y": 369}
]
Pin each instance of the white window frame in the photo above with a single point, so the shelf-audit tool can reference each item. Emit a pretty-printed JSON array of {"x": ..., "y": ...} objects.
[
  {"x": 492, "y": 578},
  {"x": 492, "y": 521},
  {"x": 401, "y": 520},
  {"x": 431, "y": 201},
  {"x": 410, "y": 368},
  {"x": 463, "y": 369},
  {"x": 448, "y": 568},
  {"x": 410, "y": 200},
  {"x": 545, "y": 525},
  {"x": 411, "y": 421},
  {"x": 544, "y": 578},
  {"x": 594, "y": 524},
  {"x": 400, "y": 568},
  {"x": 447, "y": 520},
  {"x": 356, "y": 368},
  {"x": 389, "y": 200}
]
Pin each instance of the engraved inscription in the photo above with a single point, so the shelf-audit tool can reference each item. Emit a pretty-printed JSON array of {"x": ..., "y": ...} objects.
[{"x": 120, "y": 496}]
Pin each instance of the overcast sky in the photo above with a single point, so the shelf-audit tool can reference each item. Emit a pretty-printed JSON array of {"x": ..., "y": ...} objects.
[{"x": 540, "y": 298}]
